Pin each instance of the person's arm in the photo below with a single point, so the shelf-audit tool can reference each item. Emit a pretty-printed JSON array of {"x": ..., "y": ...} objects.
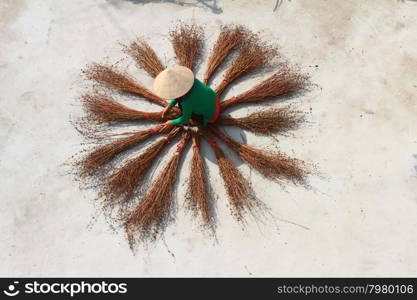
[{"x": 186, "y": 115}]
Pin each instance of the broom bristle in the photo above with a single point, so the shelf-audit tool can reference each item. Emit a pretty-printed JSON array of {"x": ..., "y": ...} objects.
[
  {"x": 272, "y": 165},
  {"x": 199, "y": 197},
  {"x": 241, "y": 196},
  {"x": 102, "y": 154},
  {"x": 187, "y": 41},
  {"x": 267, "y": 122},
  {"x": 282, "y": 83},
  {"x": 102, "y": 109},
  {"x": 229, "y": 38},
  {"x": 112, "y": 78},
  {"x": 145, "y": 57},
  {"x": 151, "y": 215},
  {"x": 121, "y": 185},
  {"x": 253, "y": 55}
]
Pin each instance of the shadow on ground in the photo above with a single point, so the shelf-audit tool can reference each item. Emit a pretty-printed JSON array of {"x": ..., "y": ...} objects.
[{"x": 210, "y": 4}]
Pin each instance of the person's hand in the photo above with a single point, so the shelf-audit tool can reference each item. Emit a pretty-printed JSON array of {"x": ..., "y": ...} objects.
[
  {"x": 165, "y": 111},
  {"x": 166, "y": 126}
]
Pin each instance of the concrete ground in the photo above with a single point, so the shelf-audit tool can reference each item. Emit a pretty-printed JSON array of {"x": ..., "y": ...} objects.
[{"x": 358, "y": 219}]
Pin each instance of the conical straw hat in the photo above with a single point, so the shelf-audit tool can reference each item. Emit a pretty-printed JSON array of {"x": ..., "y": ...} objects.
[{"x": 173, "y": 82}]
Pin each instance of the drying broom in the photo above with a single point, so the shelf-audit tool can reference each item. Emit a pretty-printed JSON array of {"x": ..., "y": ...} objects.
[
  {"x": 253, "y": 55},
  {"x": 121, "y": 185},
  {"x": 103, "y": 154},
  {"x": 112, "y": 78},
  {"x": 199, "y": 197},
  {"x": 239, "y": 190},
  {"x": 229, "y": 38},
  {"x": 145, "y": 57},
  {"x": 187, "y": 41},
  {"x": 153, "y": 212},
  {"x": 272, "y": 165},
  {"x": 101, "y": 108},
  {"x": 266, "y": 122},
  {"x": 284, "y": 82}
]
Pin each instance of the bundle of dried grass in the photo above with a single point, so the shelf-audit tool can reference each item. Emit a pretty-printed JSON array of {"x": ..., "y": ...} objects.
[
  {"x": 145, "y": 57},
  {"x": 101, "y": 108},
  {"x": 229, "y": 38},
  {"x": 112, "y": 78},
  {"x": 120, "y": 186},
  {"x": 153, "y": 212},
  {"x": 199, "y": 197},
  {"x": 253, "y": 55},
  {"x": 267, "y": 122},
  {"x": 187, "y": 41},
  {"x": 102, "y": 154},
  {"x": 272, "y": 165},
  {"x": 282, "y": 83},
  {"x": 241, "y": 196}
]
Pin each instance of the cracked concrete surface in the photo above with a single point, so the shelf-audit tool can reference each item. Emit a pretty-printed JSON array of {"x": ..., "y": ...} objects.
[{"x": 359, "y": 217}]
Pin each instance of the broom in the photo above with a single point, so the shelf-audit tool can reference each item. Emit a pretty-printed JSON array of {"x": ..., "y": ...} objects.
[
  {"x": 229, "y": 38},
  {"x": 272, "y": 165},
  {"x": 120, "y": 186},
  {"x": 239, "y": 190},
  {"x": 154, "y": 211},
  {"x": 102, "y": 109},
  {"x": 199, "y": 197},
  {"x": 253, "y": 55},
  {"x": 284, "y": 82},
  {"x": 267, "y": 122},
  {"x": 94, "y": 131},
  {"x": 187, "y": 41},
  {"x": 112, "y": 78},
  {"x": 103, "y": 154},
  {"x": 145, "y": 57}
]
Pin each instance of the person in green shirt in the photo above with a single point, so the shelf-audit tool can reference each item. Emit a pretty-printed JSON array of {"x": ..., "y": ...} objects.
[{"x": 196, "y": 100}]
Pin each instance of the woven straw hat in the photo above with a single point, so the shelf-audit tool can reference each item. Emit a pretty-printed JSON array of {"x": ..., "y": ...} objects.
[{"x": 173, "y": 82}]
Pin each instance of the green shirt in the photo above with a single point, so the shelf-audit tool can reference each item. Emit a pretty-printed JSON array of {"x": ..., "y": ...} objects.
[{"x": 200, "y": 100}]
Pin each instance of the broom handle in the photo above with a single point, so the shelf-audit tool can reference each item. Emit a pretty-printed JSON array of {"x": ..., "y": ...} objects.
[
  {"x": 157, "y": 100},
  {"x": 220, "y": 88},
  {"x": 152, "y": 97},
  {"x": 156, "y": 116},
  {"x": 227, "y": 121},
  {"x": 221, "y": 135},
  {"x": 154, "y": 130},
  {"x": 213, "y": 144},
  {"x": 229, "y": 103},
  {"x": 209, "y": 137},
  {"x": 183, "y": 142},
  {"x": 196, "y": 142},
  {"x": 173, "y": 133}
]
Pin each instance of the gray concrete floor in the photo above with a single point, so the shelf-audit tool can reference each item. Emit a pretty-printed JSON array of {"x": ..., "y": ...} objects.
[{"x": 359, "y": 217}]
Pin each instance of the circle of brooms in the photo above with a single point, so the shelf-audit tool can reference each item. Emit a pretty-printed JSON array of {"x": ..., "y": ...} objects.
[{"x": 145, "y": 214}]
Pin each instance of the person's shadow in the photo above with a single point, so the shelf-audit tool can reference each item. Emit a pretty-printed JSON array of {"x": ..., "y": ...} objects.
[{"x": 210, "y": 4}]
